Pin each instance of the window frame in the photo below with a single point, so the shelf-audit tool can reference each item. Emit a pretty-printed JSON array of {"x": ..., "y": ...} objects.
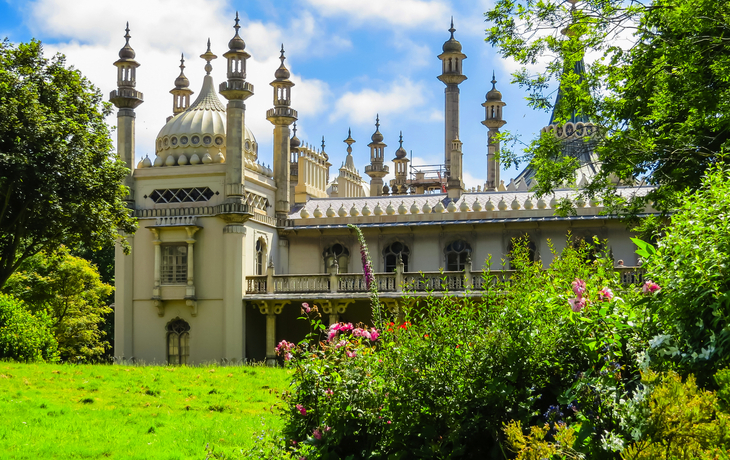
[
  {"x": 174, "y": 274},
  {"x": 462, "y": 256},
  {"x": 388, "y": 251},
  {"x": 178, "y": 338}
]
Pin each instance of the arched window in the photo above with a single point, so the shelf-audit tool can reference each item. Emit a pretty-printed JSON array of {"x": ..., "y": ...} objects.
[
  {"x": 339, "y": 253},
  {"x": 391, "y": 253},
  {"x": 457, "y": 254},
  {"x": 260, "y": 256},
  {"x": 525, "y": 242},
  {"x": 178, "y": 341}
]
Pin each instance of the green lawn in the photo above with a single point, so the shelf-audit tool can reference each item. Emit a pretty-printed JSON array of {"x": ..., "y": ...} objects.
[{"x": 99, "y": 411}]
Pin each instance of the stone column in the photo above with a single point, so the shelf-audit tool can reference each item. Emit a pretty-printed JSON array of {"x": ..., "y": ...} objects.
[
  {"x": 234, "y": 278},
  {"x": 124, "y": 301}
]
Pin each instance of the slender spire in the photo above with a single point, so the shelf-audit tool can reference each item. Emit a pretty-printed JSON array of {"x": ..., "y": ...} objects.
[
  {"x": 323, "y": 143},
  {"x": 208, "y": 56},
  {"x": 451, "y": 29},
  {"x": 127, "y": 36},
  {"x": 236, "y": 26},
  {"x": 400, "y": 141},
  {"x": 494, "y": 81}
]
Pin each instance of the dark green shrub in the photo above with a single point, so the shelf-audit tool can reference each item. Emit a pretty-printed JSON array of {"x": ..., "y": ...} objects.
[
  {"x": 691, "y": 263},
  {"x": 24, "y": 337}
]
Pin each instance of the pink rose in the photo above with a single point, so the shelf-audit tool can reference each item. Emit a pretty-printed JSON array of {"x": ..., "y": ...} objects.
[
  {"x": 650, "y": 287},
  {"x": 579, "y": 287},
  {"x": 605, "y": 295},
  {"x": 577, "y": 304}
]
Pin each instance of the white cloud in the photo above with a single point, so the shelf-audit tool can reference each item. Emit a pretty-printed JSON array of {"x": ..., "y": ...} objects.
[
  {"x": 401, "y": 13},
  {"x": 361, "y": 107}
]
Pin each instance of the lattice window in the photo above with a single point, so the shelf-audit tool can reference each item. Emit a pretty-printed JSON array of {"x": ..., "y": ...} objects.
[
  {"x": 182, "y": 195},
  {"x": 391, "y": 253},
  {"x": 457, "y": 255},
  {"x": 178, "y": 341},
  {"x": 174, "y": 268}
]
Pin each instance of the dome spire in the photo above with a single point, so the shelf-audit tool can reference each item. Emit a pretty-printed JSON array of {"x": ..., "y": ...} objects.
[
  {"x": 127, "y": 53},
  {"x": 451, "y": 29},
  {"x": 208, "y": 56},
  {"x": 401, "y": 152},
  {"x": 181, "y": 93},
  {"x": 349, "y": 141},
  {"x": 494, "y": 81},
  {"x": 282, "y": 73}
]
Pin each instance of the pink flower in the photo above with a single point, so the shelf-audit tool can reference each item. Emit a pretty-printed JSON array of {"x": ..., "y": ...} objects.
[
  {"x": 350, "y": 354},
  {"x": 329, "y": 392},
  {"x": 577, "y": 304},
  {"x": 374, "y": 334},
  {"x": 305, "y": 307},
  {"x": 327, "y": 428},
  {"x": 341, "y": 343},
  {"x": 301, "y": 409},
  {"x": 284, "y": 348},
  {"x": 317, "y": 434},
  {"x": 605, "y": 295},
  {"x": 650, "y": 287},
  {"x": 288, "y": 357},
  {"x": 579, "y": 287}
]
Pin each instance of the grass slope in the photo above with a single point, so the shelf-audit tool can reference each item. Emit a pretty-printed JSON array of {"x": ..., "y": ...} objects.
[{"x": 97, "y": 411}]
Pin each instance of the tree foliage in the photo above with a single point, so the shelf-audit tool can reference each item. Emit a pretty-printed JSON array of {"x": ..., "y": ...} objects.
[
  {"x": 59, "y": 182},
  {"x": 657, "y": 87},
  {"x": 69, "y": 290},
  {"x": 23, "y": 336}
]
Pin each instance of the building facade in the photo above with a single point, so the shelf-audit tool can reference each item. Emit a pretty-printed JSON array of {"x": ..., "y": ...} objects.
[{"x": 228, "y": 249}]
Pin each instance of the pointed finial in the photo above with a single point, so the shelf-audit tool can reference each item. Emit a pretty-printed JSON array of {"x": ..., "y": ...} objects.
[
  {"x": 236, "y": 26},
  {"x": 323, "y": 143},
  {"x": 349, "y": 141},
  {"x": 182, "y": 62},
  {"x": 494, "y": 81},
  {"x": 401, "y": 139},
  {"x": 295, "y": 129},
  {"x": 127, "y": 36},
  {"x": 377, "y": 122},
  {"x": 282, "y": 57},
  {"x": 452, "y": 30},
  {"x": 208, "y": 56}
]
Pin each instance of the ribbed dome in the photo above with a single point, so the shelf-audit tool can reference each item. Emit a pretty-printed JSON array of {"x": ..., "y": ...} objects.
[{"x": 201, "y": 128}]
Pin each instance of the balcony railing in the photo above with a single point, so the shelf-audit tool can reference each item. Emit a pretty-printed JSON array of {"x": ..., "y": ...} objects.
[{"x": 419, "y": 282}]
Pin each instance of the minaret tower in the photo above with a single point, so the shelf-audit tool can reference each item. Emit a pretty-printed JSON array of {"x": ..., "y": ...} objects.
[
  {"x": 281, "y": 116},
  {"x": 451, "y": 76},
  {"x": 236, "y": 89},
  {"x": 398, "y": 185},
  {"x": 455, "y": 185},
  {"x": 493, "y": 120},
  {"x": 126, "y": 99},
  {"x": 181, "y": 93},
  {"x": 376, "y": 169}
]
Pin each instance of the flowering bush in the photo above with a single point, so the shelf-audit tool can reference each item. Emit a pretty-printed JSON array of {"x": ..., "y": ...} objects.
[{"x": 441, "y": 383}]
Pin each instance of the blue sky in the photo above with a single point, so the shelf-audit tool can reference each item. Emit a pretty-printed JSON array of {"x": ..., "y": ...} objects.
[{"x": 350, "y": 59}]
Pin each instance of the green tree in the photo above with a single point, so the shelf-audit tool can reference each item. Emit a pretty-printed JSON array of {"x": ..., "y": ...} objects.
[
  {"x": 69, "y": 290},
  {"x": 60, "y": 184},
  {"x": 23, "y": 336},
  {"x": 659, "y": 91}
]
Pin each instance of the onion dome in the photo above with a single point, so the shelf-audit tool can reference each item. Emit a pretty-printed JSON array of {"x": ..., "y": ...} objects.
[
  {"x": 282, "y": 73},
  {"x": 494, "y": 94},
  {"x": 452, "y": 44},
  {"x": 127, "y": 52},
  {"x": 377, "y": 136},
  {"x": 294, "y": 142},
  {"x": 237, "y": 43},
  {"x": 182, "y": 82},
  {"x": 201, "y": 129},
  {"x": 401, "y": 152}
]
